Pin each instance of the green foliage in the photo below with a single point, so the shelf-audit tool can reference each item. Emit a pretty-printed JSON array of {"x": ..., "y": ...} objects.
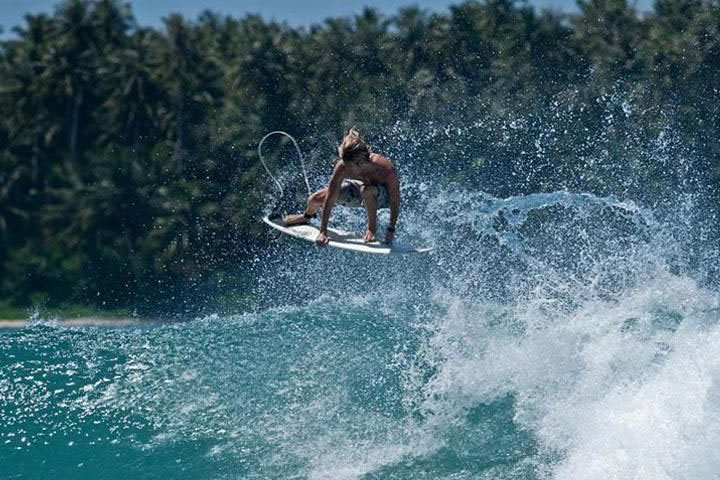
[{"x": 128, "y": 173}]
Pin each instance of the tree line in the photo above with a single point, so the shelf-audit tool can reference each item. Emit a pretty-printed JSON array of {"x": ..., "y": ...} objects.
[{"x": 128, "y": 170}]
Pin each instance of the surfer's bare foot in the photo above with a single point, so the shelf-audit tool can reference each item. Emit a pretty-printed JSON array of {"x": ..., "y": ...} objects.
[
  {"x": 297, "y": 219},
  {"x": 369, "y": 237}
]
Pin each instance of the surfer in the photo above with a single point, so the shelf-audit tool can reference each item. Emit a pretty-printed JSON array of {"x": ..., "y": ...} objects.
[{"x": 360, "y": 178}]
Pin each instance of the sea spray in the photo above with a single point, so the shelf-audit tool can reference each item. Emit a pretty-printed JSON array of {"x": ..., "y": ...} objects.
[{"x": 548, "y": 336}]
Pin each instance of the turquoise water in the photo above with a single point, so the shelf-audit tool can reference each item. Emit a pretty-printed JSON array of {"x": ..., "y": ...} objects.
[{"x": 548, "y": 336}]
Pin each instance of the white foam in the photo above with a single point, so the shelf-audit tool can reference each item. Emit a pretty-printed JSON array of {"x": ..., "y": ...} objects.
[
  {"x": 609, "y": 389},
  {"x": 664, "y": 427}
]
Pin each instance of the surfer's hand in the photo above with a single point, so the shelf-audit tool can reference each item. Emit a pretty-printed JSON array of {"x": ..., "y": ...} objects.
[
  {"x": 322, "y": 238},
  {"x": 389, "y": 235},
  {"x": 369, "y": 236}
]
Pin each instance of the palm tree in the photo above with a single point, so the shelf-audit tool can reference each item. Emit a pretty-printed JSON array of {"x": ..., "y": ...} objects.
[
  {"x": 70, "y": 65},
  {"x": 190, "y": 79},
  {"x": 608, "y": 32},
  {"x": 111, "y": 20},
  {"x": 133, "y": 91},
  {"x": 25, "y": 96},
  {"x": 14, "y": 209},
  {"x": 262, "y": 73}
]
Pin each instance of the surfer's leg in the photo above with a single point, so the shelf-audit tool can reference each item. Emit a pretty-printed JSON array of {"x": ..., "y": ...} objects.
[
  {"x": 369, "y": 196},
  {"x": 314, "y": 203}
]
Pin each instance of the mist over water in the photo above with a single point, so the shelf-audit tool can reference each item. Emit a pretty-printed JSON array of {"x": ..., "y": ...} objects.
[{"x": 563, "y": 335}]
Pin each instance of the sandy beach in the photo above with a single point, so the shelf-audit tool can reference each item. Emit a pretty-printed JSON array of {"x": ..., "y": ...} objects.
[{"x": 74, "y": 322}]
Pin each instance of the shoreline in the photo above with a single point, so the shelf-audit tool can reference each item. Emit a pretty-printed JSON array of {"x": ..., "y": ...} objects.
[{"x": 73, "y": 322}]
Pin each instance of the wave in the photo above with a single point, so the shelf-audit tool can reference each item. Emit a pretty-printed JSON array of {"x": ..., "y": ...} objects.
[{"x": 555, "y": 335}]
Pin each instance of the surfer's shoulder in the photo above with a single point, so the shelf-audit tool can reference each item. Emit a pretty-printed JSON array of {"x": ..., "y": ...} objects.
[
  {"x": 382, "y": 160},
  {"x": 386, "y": 166},
  {"x": 340, "y": 169}
]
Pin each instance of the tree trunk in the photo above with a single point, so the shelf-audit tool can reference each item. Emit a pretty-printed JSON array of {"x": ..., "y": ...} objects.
[
  {"x": 38, "y": 166},
  {"x": 179, "y": 147},
  {"x": 74, "y": 128}
]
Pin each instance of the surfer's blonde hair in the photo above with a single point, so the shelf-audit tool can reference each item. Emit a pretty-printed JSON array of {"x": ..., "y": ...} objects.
[{"x": 353, "y": 148}]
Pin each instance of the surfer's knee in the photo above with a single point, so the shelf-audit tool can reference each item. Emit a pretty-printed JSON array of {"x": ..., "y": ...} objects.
[{"x": 318, "y": 197}]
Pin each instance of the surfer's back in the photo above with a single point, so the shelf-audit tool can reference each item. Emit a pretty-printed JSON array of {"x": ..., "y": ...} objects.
[{"x": 377, "y": 170}]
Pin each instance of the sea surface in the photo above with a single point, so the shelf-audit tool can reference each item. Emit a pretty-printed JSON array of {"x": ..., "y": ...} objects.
[{"x": 548, "y": 336}]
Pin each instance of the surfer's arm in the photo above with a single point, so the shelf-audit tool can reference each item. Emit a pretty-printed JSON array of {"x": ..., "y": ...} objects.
[
  {"x": 393, "y": 188},
  {"x": 330, "y": 199}
]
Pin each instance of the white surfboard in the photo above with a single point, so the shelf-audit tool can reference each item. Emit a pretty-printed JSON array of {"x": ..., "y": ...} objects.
[{"x": 345, "y": 240}]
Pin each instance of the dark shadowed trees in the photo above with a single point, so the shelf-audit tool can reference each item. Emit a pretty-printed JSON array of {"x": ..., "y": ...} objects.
[{"x": 127, "y": 154}]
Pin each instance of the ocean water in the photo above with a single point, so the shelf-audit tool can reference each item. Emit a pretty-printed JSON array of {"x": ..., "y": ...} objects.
[{"x": 548, "y": 336}]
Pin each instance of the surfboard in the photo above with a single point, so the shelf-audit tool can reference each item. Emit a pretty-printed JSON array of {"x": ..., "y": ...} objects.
[{"x": 344, "y": 240}]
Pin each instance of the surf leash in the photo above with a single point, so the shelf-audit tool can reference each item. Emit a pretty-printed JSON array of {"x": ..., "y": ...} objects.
[{"x": 270, "y": 174}]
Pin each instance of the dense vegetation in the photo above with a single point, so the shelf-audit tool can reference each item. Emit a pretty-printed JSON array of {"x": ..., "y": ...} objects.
[{"x": 128, "y": 172}]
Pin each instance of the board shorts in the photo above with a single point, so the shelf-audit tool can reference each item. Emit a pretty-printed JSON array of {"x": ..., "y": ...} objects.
[{"x": 350, "y": 195}]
